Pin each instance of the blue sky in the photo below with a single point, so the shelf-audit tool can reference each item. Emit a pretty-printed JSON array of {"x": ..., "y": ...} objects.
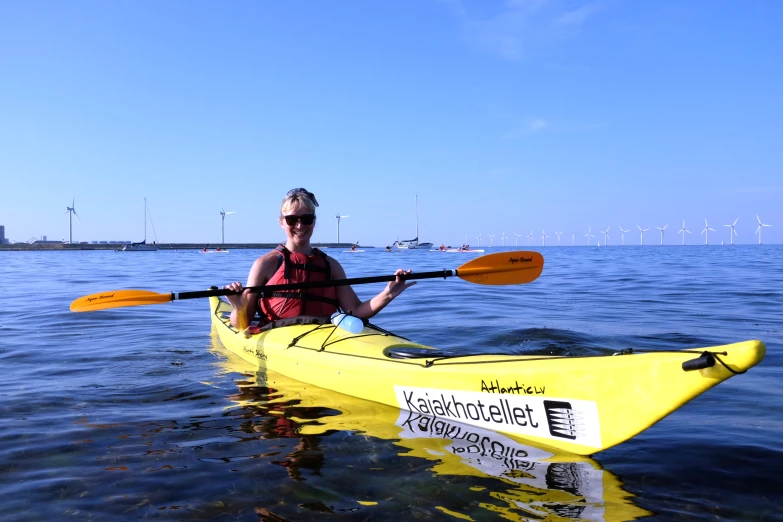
[{"x": 501, "y": 116}]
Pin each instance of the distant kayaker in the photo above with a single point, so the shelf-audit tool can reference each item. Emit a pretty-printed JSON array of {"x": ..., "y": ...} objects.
[
  {"x": 353, "y": 247},
  {"x": 297, "y": 262}
]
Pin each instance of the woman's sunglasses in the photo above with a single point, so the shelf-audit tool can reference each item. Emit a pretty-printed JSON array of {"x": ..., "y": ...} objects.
[{"x": 306, "y": 219}]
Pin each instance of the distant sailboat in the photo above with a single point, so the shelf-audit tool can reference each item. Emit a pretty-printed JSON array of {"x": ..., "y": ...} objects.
[
  {"x": 413, "y": 243},
  {"x": 141, "y": 246}
]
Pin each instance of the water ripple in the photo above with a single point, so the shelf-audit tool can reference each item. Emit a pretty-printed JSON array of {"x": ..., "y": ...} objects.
[{"x": 131, "y": 413}]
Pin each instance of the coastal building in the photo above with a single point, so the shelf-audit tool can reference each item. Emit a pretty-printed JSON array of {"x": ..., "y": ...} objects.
[{"x": 2, "y": 234}]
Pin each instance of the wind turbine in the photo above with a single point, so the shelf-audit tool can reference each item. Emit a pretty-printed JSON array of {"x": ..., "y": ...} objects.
[
  {"x": 662, "y": 229},
  {"x": 339, "y": 217},
  {"x": 706, "y": 232},
  {"x": 606, "y": 235},
  {"x": 732, "y": 232},
  {"x": 589, "y": 235},
  {"x": 758, "y": 230},
  {"x": 517, "y": 238},
  {"x": 223, "y": 215},
  {"x": 573, "y": 240},
  {"x": 479, "y": 239},
  {"x": 490, "y": 239},
  {"x": 558, "y": 237},
  {"x": 529, "y": 238},
  {"x": 641, "y": 233},
  {"x": 682, "y": 231},
  {"x": 622, "y": 237},
  {"x": 543, "y": 238},
  {"x": 503, "y": 238},
  {"x": 71, "y": 211}
]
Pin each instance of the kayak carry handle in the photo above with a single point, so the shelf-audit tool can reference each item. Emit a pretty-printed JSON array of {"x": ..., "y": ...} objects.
[{"x": 707, "y": 360}]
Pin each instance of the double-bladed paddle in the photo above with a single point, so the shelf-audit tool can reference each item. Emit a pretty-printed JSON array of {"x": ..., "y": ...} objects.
[{"x": 502, "y": 268}]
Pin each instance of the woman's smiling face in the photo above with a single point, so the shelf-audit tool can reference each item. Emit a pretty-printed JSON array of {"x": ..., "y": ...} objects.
[{"x": 299, "y": 233}]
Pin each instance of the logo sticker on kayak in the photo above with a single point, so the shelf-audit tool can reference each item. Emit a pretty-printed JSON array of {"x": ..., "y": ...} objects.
[
  {"x": 573, "y": 420},
  {"x": 563, "y": 420}
]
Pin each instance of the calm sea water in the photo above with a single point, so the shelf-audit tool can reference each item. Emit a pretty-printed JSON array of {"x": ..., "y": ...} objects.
[{"x": 138, "y": 413}]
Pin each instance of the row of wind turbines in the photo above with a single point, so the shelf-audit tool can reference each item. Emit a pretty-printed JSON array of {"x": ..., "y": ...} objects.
[
  {"x": 706, "y": 231},
  {"x": 71, "y": 211}
]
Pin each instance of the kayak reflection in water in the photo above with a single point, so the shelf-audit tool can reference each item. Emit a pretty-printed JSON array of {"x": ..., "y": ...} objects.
[
  {"x": 275, "y": 420},
  {"x": 513, "y": 480},
  {"x": 297, "y": 262}
]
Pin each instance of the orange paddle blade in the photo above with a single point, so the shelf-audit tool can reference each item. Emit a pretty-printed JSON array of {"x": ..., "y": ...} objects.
[
  {"x": 503, "y": 268},
  {"x": 118, "y": 298}
]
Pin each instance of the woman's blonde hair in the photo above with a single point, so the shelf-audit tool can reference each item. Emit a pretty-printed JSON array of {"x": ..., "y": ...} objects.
[{"x": 298, "y": 197}]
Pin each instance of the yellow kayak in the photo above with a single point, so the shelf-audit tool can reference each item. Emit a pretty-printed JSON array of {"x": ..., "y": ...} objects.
[{"x": 581, "y": 405}]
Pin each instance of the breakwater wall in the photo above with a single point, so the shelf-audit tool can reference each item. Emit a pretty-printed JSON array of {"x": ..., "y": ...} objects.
[{"x": 162, "y": 246}]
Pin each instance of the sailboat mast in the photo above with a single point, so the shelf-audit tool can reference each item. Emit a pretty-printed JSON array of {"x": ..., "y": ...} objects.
[
  {"x": 145, "y": 220},
  {"x": 417, "y": 218}
]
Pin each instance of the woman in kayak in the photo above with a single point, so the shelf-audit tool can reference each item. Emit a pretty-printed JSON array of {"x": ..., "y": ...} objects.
[{"x": 297, "y": 262}]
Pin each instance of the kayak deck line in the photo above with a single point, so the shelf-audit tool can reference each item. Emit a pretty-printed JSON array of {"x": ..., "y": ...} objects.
[
  {"x": 335, "y": 329},
  {"x": 389, "y": 352},
  {"x": 433, "y": 356},
  {"x": 323, "y": 324},
  {"x": 577, "y": 404}
]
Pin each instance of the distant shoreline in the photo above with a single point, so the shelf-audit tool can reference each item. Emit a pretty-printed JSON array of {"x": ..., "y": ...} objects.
[{"x": 162, "y": 246}]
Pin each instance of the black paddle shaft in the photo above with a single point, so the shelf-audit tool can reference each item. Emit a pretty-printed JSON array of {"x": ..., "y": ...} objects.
[{"x": 263, "y": 290}]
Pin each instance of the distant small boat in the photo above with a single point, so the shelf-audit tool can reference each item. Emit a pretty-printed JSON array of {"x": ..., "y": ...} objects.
[
  {"x": 409, "y": 244},
  {"x": 357, "y": 250},
  {"x": 138, "y": 247},
  {"x": 221, "y": 251},
  {"x": 141, "y": 246},
  {"x": 459, "y": 249}
]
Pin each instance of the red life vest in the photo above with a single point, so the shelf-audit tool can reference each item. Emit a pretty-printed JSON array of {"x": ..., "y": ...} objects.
[{"x": 299, "y": 268}]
